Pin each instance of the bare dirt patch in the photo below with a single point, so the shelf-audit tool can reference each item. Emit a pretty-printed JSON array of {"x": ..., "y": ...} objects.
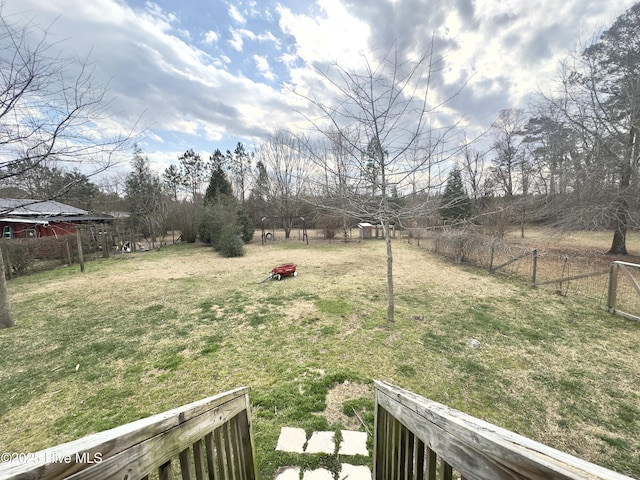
[{"x": 335, "y": 401}]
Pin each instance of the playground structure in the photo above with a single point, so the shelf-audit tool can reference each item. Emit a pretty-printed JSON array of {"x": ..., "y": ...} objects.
[{"x": 288, "y": 223}]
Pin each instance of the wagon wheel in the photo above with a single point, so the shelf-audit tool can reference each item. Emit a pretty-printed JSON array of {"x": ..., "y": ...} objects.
[
  {"x": 279, "y": 277},
  {"x": 295, "y": 274}
]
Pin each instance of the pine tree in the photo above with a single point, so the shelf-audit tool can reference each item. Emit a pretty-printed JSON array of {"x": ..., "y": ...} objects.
[
  {"x": 456, "y": 204},
  {"x": 218, "y": 183}
]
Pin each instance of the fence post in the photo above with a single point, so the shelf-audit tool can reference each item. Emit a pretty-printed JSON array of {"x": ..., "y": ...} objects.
[
  {"x": 613, "y": 288},
  {"x": 535, "y": 266},
  {"x": 79, "y": 245}
]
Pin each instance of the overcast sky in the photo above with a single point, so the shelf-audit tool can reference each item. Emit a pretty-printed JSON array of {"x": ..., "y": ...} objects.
[{"x": 205, "y": 74}]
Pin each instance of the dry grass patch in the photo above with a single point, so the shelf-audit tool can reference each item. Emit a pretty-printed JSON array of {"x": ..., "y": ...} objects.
[{"x": 336, "y": 398}]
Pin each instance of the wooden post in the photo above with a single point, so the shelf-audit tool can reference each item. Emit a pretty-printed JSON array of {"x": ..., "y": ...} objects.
[
  {"x": 493, "y": 248},
  {"x": 67, "y": 252},
  {"x": 7, "y": 263},
  {"x": 535, "y": 266},
  {"x": 79, "y": 246},
  {"x": 613, "y": 288},
  {"x": 105, "y": 242}
]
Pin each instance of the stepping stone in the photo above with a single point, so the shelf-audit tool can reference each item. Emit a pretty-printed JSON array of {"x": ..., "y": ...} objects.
[
  {"x": 354, "y": 472},
  {"x": 318, "y": 474},
  {"x": 353, "y": 443},
  {"x": 289, "y": 473},
  {"x": 321, "y": 442},
  {"x": 291, "y": 440}
]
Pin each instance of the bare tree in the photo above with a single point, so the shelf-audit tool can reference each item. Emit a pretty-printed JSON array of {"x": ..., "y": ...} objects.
[
  {"x": 50, "y": 111},
  {"x": 473, "y": 169},
  {"x": 507, "y": 134},
  {"x": 601, "y": 99},
  {"x": 281, "y": 157},
  {"x": 380, "y": 114}
]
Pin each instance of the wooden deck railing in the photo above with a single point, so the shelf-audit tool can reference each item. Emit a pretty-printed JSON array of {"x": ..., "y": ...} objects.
[
  {"x": 211, "y": 438},
  {"x": 416, "y": 438}
]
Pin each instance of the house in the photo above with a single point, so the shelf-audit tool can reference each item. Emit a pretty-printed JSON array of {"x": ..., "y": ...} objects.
[{"x": 24, "y": 218}]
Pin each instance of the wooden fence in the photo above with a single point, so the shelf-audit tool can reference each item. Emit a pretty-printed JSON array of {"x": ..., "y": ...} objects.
[
  {"x": 211, "y": 438},
  {"x": 416, "y": 438},
  {"x": 615, "y": 284}
]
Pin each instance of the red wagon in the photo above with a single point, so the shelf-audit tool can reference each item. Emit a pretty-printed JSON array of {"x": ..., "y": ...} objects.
[{"x": 284, "y": 270}]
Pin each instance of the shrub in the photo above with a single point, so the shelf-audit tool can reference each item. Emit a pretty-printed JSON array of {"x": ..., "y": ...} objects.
[
  {"x": 246, "y": 226},
  {"x": 220, "y": 226}
]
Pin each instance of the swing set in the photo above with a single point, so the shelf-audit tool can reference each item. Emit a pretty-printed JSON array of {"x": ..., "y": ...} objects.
[{"x": 270, "y": 235}]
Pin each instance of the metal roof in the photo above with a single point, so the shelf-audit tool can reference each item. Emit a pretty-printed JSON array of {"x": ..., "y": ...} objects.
[
  {"x": 26, "y": 221},
  {"x": 24, "y": 207}
]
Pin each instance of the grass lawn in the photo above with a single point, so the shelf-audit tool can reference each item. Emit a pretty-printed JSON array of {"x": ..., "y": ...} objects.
[{"x": 139, "y": 334}]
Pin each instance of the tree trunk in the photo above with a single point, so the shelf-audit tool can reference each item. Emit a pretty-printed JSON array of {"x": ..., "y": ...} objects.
[
  {"x": 6, "y": 320},
  {"x": 390, "y": 301},
  {"x": 619, "y": 243}
]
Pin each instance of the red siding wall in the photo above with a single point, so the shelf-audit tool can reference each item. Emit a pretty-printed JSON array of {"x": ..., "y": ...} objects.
[{"x": 53, "y": 229}]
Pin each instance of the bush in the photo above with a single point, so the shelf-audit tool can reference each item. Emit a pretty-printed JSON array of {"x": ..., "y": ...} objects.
[
  {"x": 247, "y": 228},
  {"x": 220, "y": 226},
  {"x": 229, "y": 244},
  {"x": 185, "y": 221}
]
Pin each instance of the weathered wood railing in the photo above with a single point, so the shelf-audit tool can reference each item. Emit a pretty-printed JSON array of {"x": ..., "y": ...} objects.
[
  {"x": 612, "y": 297},
  {"x": 416, "y": 438},
  {"x": 211, "y": 438}
]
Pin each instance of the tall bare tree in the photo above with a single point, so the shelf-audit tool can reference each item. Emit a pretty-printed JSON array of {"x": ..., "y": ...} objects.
[
  {"x": 50, "y": 111},
  {"x": 282, "y": 157},
  {"x": 376, "y": 114},
  {"x": 474, "y": 172},
  {"x": 601, "y": 98}
]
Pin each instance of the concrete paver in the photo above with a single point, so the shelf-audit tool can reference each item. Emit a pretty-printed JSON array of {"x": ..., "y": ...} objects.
[
  {"x": 289, "y": 473},
  {"x": 353, "y": 443},
  {"x": 321, "y": 442},
  {"x": 354, "y": 472},
  {"x": 318, "y": 474},
  {"x": 291, "y": 440}
]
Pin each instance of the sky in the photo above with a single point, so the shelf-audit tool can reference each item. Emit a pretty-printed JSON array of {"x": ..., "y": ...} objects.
[{"x": 207, "y": 74}]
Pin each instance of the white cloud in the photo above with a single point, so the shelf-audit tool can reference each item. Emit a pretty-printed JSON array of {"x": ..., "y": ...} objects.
[
  {"x": 235, "y": 14},
  {"x": 239, "y": 35},
  {"x": 262, "y": 64},
  {"x": 335, "y": 36},
  {"x": 211, "y": 37},
  {"x": 237, "y": 39}
]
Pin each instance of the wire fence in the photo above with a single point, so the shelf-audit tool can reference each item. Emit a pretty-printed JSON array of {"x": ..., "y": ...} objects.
[{"x": 567, "y": 272}]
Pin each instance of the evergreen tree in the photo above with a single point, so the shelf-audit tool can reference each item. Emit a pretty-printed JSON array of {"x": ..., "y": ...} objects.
[
  {"x": 456, "y": 204},
  {"x": 224, "y": 224},
  {"x": 218, "y": 183}
]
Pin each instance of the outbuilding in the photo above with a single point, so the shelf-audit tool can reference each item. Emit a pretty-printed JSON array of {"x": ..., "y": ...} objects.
[{"x": 26, "y": 218}]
